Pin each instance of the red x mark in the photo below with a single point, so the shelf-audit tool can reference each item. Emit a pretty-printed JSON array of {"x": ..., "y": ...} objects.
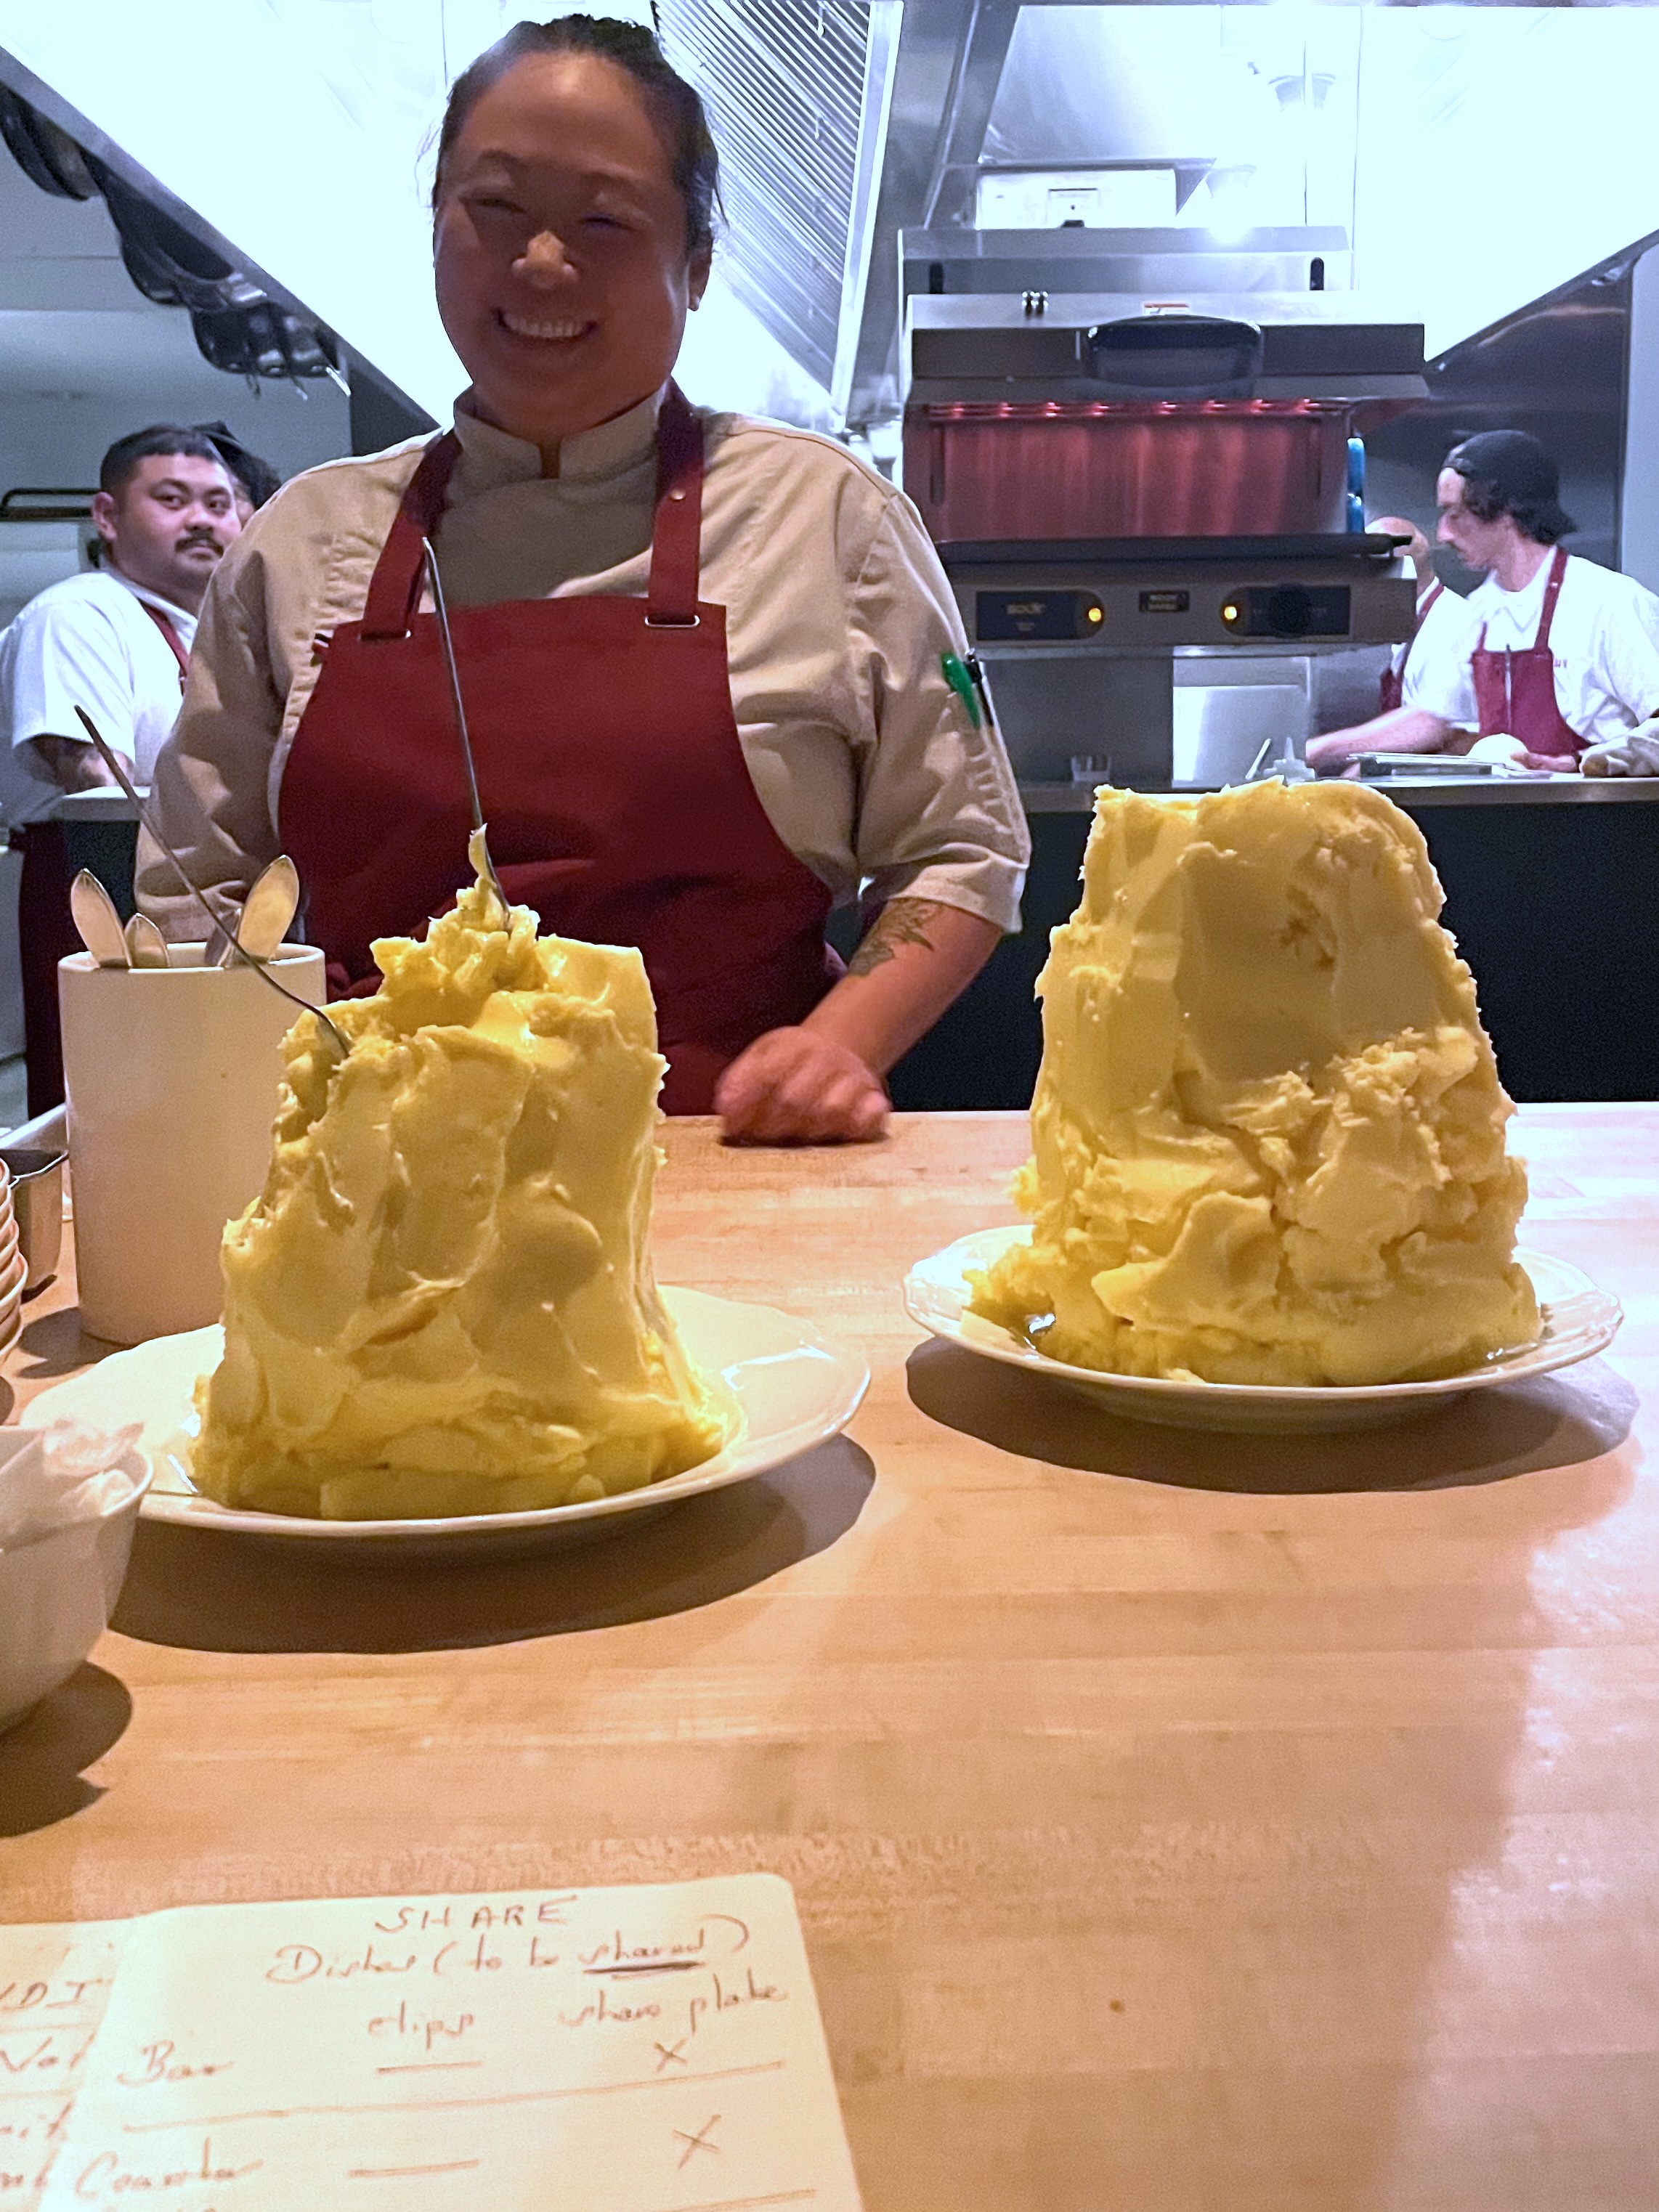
[{"x": 700, "y": 2141}]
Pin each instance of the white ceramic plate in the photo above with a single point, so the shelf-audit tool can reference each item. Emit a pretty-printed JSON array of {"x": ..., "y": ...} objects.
[
  {"x": 793, "y": 1391},
  {"x": 1579, "y": 1321}
]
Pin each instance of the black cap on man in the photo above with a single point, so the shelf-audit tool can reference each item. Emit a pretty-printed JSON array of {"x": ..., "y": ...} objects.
[{"x": 1507, "y": 472}]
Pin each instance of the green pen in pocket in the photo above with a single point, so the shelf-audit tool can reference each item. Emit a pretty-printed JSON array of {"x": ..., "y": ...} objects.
[{"x": 958, "y": 677}]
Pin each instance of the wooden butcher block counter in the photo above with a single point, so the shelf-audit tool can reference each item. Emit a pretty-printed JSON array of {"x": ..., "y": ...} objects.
[{"x": 1177, "y": 1821}]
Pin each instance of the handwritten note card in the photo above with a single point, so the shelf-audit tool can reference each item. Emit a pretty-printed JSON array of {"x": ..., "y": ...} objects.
[
  {"x": 641, "y": 2049},
  {"x": 54, "y": 1985}
]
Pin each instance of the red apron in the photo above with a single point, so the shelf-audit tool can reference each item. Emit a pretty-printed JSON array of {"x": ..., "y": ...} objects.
[
  {"x": 175, "y": 643},
  {"x": 619, "y": 803},
  {"x": 45, "y": 931},
  {"x": 1514, "y": 689},
  {"x": 1391, "y": 690}
]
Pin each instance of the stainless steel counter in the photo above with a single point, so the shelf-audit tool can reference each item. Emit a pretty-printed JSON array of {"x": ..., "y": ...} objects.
[
  {"x": 1409, "y": 790},
  {"x": 105, "y": 802}
]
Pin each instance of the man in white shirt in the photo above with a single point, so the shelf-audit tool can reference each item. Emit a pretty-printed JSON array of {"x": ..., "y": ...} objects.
[
  {"x": 1557, "y": 655},
  {"x": 115, "y": 640}
]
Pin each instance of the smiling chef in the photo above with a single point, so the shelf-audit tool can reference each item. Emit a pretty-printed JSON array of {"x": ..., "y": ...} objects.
[{"x": 700, "y": 654}]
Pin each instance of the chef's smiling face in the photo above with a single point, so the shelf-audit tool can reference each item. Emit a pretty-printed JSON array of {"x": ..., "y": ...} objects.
[{"x": 562, "y": 272}]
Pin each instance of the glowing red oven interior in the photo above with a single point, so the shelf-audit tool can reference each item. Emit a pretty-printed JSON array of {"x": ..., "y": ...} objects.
[{"x": 1196, "y": 468}]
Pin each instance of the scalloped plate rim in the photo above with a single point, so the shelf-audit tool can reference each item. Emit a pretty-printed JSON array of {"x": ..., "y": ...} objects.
[
  {"x": 943, "y": 1273},
  {"x": 722, "y": 1325}
]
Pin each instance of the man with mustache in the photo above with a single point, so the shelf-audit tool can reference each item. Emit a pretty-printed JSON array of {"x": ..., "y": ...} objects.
[{"x": 117, "y": 641}]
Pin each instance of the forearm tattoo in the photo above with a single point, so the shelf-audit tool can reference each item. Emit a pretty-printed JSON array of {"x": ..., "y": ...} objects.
[{"x": 900, "y": 921}]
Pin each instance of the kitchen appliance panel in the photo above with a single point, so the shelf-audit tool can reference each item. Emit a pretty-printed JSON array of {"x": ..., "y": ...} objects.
[
  {"x": 1209, "y": 469},
  {"x": 1118, "y": 707}
]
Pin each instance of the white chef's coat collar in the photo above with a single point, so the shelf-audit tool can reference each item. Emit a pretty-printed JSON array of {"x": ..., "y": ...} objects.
[
  {"x": 1534, "y": 589},
  {"x": 182, "y": 618},
  {"x": 494, "y": 457}
]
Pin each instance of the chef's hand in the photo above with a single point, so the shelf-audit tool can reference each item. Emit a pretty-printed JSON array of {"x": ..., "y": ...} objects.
[
  {"x": 1402, "y": 730},
  {"x": 821, "y": 1084},
  {"x": 797, "y": 1086},
  {"x": 1636, "y": 753}
]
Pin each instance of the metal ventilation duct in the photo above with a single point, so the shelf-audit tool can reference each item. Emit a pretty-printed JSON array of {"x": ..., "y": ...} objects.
[{"x": 785, "y": 82}]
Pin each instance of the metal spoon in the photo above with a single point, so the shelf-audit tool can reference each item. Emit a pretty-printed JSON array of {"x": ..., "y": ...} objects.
[
  {"x": 479, "y": 829},
  {"x": 266, "y": 913},
  {"x": 99, "y": 923},
  {"x": 146, "y": 946},
  {"x": 117, "y": 768}
]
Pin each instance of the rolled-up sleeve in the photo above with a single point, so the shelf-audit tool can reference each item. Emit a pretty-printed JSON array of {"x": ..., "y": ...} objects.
[
  {"x": 212, "y": 780},
  {"x": 64, "y": 654},
  {"x": 938, "y": 817}
]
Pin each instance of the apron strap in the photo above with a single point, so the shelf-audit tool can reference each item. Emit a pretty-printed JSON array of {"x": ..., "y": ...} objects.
[
  {"x": 1552, "y": 593},
  {"x": 395, "y": 587},
  {"x": 677, "y": 532},
  {"x": 175, "y": 643},
  {"x": 676, "y": 537}
]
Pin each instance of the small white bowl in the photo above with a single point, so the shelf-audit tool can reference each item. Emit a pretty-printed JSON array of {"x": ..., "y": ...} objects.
[{"x": 58, "y": 1593}]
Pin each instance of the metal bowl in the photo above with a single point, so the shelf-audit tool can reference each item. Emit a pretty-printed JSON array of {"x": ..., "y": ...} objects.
[{"x": 36, "y": 1205}]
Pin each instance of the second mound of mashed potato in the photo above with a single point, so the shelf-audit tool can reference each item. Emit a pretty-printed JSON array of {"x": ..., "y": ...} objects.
[{"x": 1268, "y": 1133}]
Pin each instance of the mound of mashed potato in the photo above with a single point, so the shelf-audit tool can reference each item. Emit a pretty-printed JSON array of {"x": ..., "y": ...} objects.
[
  {"x": 441, "y": 1301},
  {"x": 1268, "y": 1133}
]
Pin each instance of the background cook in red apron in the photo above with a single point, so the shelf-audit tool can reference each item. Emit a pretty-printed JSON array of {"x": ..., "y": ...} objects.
[
  {"x": 1565, "y": 652},
  {"x": 1515, "y": 688},
  {"x": 601, "y": 644},
  {"x": 114, "y": 639}
]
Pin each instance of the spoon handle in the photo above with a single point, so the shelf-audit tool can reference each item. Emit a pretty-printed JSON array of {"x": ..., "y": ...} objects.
[
  {"x": 99, "y": 925},
  {"x": 146, "y": 946},
  {"x": 480, "y": 833},
  {"x": 116, "y": 768},
  {"x": 272, "y": 901}
]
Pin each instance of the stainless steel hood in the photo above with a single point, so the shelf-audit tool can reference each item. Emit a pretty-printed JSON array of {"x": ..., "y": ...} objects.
[
  {"x": 837, "y": 121},
  {"x": 945, "y": 68},
  {"x": 845, "y": 124},
  {"x": 795, "y": 90}
]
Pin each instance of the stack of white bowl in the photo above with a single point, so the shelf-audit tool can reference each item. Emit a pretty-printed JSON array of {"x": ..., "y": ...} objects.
[{"x": 13, "y": 1268}]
